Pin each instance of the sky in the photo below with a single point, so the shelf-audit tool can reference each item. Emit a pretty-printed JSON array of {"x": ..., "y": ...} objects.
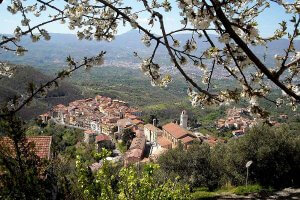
[{"x": 268, "y": 21}]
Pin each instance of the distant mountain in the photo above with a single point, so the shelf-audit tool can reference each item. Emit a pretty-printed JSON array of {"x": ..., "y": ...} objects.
[
  {"x": 17, "y": 85},
  {"x": 50, "y": 55}
]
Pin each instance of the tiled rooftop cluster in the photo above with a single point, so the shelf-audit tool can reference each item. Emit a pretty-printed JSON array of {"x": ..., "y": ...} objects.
[
  {"x": 41, "y": 145},
  {"x": 94, "y": 113},
  {"x": 136, "y": 150},
  {"x": 238, "y": 120}
]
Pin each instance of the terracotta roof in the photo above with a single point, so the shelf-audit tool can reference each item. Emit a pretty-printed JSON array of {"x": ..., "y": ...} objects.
[
  {"x": 136, "y": 153},
  {"x": 139, "y": 133},
  {"x": 102, "y": 137},
  {"x": 138, "y": 143},
  {"x": 130, "y": 116},
  {"x": 211, "y": 142},
  {"x": 175, "y": 130},
  {"x": 124, "y": 122},
  {"x": 152, "y": 128},
  {"x": 137, "y": 121},
  {"x": 164, "y": 142},
  {"x": 42, "y": 145},
  {"x": 187, "y": 139}
]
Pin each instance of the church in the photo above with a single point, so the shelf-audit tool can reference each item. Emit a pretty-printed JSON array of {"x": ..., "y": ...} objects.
[{"x": 171, "y": 134}]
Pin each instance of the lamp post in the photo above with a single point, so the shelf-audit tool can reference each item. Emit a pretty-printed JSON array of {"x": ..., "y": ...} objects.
[{"x": 247, "y": 167}]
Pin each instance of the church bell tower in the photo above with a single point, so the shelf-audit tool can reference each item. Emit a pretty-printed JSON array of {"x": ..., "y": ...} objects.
[{"x": 183, "y": 119}]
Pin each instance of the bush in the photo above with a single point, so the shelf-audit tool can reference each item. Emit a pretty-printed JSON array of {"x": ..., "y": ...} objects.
[
  {"x": 274, "y": 152},
  {"x": 203, "y": 195},
  {"x": 193, "y": 165},
  {"x": 242, "y": 190}
]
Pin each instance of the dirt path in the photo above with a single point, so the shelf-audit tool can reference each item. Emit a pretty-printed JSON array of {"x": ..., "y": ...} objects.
[{"x": 287, "y": 193}]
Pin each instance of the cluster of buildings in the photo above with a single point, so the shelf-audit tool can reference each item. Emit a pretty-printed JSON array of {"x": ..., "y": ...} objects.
[
  {"x": 99, "y": 114},
  {"x": 105, "y": 120},
  {"x": 238, "y": 120},
  {"x": 171, "y": 134}
]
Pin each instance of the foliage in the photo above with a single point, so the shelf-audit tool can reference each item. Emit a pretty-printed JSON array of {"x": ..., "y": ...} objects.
[
  {"x": 23, "y": 175},
  {"x": 193, "y": 165},
  {"x": 99, "y": 185},
  {"x": 232, "y": 52},
  {"x": 204, "y": 193},
  {"x": 66, "y": 144},
  {"x": 242, "y": 190},
  {"x": 122, "y": 147},
  {"x": 127, "y": 137},
  {"x": 128, "y": 183},
  {"x": 63, "y": 139},
  {"x": 274, "y": 152},
  {"x": 19, "y": 84}
]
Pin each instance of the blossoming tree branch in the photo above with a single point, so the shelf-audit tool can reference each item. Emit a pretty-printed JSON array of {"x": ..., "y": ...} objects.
[{"x": 233, "y": 22}]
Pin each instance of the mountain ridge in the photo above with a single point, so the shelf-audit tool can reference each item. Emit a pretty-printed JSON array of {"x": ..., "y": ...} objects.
[
  {"x": 18, "y": 84},
  {"x": 50, "y": 55}
]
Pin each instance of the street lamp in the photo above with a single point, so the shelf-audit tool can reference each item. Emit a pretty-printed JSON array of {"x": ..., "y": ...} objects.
[{"x": 247, "y": 166}]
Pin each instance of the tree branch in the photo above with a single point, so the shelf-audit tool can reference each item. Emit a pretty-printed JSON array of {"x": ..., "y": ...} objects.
[{"x": 226, "y": 23}]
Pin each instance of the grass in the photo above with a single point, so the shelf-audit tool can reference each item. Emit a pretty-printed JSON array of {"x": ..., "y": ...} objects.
[
  {"x": 204, "y": 193},
  {"x": 160, "y": 106},
  {"x": 242, "y": 190},
  {"x": 122, "y": 147}
]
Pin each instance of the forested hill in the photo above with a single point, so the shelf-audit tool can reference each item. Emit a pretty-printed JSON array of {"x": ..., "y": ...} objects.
[
  {"x": 18, "y": 85},
  {"x": 51, "y": 55}
]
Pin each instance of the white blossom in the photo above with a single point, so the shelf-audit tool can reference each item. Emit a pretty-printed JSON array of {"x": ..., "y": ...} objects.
[
  {"x": 20, "y": 51},
  {"x": 176, "y": 43},
  {"x": 25, "y": 22},
  {"x": 225, "y": 38},
  {"x": 146, "y": 40}
]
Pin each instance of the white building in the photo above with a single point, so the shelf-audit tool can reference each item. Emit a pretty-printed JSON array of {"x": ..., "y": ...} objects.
[
  {"x": 183, "y": 119},
  {"x": 95, "y": 126},
  {"x": 151, "y": 132}
]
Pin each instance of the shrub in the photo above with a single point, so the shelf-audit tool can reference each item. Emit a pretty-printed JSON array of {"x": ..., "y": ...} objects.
[
  {"x": 274, "y": 152},
  {"x": 242, "y": 190}
]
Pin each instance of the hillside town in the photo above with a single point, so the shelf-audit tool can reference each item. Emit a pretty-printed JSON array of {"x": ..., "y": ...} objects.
[
  {"x": 239, "y": 121},
  {"x": 105, "y": 121}
]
